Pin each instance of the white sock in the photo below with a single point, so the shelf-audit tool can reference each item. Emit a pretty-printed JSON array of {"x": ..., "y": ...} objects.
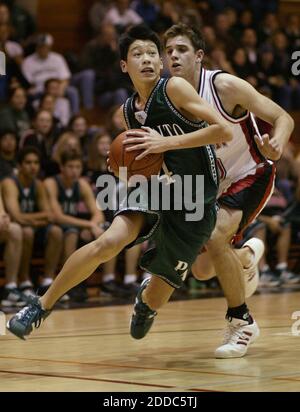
[
  {"x": 26, "y": 284},
  {"x": 130, "y": 279},
  {"x": 265, "y": 268},
  {"x": 108, "y": 277},
  {"x": 46, "y": 282},
  {"x": 281, "y": 266},
  {"x": 11, "y": 285}
]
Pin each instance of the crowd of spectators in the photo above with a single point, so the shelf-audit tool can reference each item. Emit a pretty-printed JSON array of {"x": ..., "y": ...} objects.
[{"x": 48, "y": 148}]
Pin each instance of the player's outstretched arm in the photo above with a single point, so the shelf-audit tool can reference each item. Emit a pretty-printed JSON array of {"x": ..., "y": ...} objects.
[{"x": 238, "y": 92}]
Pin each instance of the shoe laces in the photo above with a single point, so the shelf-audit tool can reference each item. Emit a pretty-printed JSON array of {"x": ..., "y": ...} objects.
[
  {"x": 31, "y": 313},
  {"x": 233, "y": 333}
]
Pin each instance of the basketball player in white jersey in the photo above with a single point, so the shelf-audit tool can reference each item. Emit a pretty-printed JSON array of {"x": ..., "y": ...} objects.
[{"x": 247, "y": 180}]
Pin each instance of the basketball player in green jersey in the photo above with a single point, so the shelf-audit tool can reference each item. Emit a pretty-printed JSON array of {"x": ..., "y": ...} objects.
[{"x": 175, "y": 118}]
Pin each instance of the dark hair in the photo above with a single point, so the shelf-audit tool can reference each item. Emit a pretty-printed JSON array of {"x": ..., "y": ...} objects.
[
  {"x": 69, "y": 155},
  {"x": 13, "y": 90},
  {"x": 26, "y": 151},
  {"x": 8, "y": 131},
  {"x": 191, "y": 32},
  {"x": 47, "y": 82},
  {"x": 139, "y": 32}
]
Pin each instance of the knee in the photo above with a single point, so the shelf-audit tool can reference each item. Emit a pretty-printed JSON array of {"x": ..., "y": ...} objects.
[
  {"x": 107, "y": 246},
  {"x": 15, "y": 232},
  {"x": 28, "y": 234},
  {"x": 89, "y": 75},
  {"x": 219, "y": 239},
  {"x": 56, "y": 233}
]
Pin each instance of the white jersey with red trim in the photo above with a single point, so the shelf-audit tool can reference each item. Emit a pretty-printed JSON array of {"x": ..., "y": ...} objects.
[{"x": 240, "y": 157}]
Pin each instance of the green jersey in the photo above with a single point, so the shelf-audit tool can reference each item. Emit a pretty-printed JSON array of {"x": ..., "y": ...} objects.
[{"x": 161, "y": 115}]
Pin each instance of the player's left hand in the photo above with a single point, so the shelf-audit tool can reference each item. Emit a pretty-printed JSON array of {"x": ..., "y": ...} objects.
[
  {"x": 270, "y": 148},
  {"x": 149, "y": 140}
]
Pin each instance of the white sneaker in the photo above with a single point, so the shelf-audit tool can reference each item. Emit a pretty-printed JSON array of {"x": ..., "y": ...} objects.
[
  {"x": 252, "y": 273},
  {"x": 239, "y": 334}
]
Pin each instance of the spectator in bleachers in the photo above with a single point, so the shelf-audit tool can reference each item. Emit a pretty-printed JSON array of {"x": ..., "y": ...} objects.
[
  {"x": 5, "y": 17},
  {"x": 12, "y": 49},
  {"x": 210, "y": 38},
  {"x": 249, "y": 44},
  {"x": 27, "y": 204},
  {"x": 270, "y": 75},
  {"x": 11, "y": 236},
  {"x": 45, "y": 64},
  {"x": 68, "y": 192},
  {"x": 14, "y": 116},
  {"x": 121, "y": 15},
  {"x": 8, "y": 150},
  {"x": 97, "y": 13},
  {"x": 147, "y": 10},
  {"x": 223, "y": 31},
  {"x": 114, "y": 123},
  {"x": 43, "y": 136},
  {"x": 79, "y": 126},
  {"x": 97, "y": 166},
  {"x": 167, "y": 16},
  {"x": 277, "y": 229},
  {"x": 101, "y": 55},
  {"x": 292, "y": 30},
  {"x": 21, "y": 19},
  {"x": 68, "y": 141},
  {"x": 62, "y": 109},
  {"x": 269, "y": 26},
  {"x": 240, "y": 64}
]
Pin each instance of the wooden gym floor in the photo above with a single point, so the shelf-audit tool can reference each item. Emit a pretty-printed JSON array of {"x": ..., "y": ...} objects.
[{"x": 91, "y": 350}]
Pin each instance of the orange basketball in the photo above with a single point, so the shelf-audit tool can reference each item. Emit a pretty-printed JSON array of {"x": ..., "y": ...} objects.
[{"x": 119, "y": 157}]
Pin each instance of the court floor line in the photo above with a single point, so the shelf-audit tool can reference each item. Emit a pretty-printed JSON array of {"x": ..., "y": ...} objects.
[
  {"x": 122, "y": 366},
  {"x": 49, "y": 375},
  {"x": 11, "y": 337}
]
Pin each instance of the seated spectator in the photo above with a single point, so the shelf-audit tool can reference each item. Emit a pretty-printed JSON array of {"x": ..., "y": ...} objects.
[
  {"x": 12, "y": 49},
  {"x": 269, "y": 26},
  {"x": 114, "y": 124},
  {"x": 62, "y": 109},
  {"x": 21, "y": 19},
  {"x": 14, "y": 116},
  {"x": 292, "y": 30},
  {"x": 121, "y": 15},
  {"x": 249, "y": 43},
  {"x": 43, "y": 136},
  {"x": 45, "y": 64},
  {"x": 240, "y": 64},
  {"x": 68, "y": 141},
  {"x": 97, "y": 166},
  {"x": 47, "y": 102},
  {"x": 27, "y": 204},
  {"x": 101, "y": 55},
  {"x": 97, "y": 13},
  {"x": 11, "y": 236},
  {"x": 276, "y": 230},
  {"x": 147, "y": 10},
  {"x": 270, "y": 75},
  {"x": 167, "y": 16},
  {"x": 66, "y": 192},
  {"x": 79, "y": 127},
  {"x": 8, "y": 150}
]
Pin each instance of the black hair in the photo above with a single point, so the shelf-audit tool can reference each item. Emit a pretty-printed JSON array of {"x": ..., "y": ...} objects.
[
  {"x": 26, "y": 151},
  {"x": 139, "y": 32}
]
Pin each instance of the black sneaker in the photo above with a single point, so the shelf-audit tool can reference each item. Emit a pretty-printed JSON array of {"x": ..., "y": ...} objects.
[
  {"x": 142, "y": 317},
  {"x": 12, "y": 298},
  {"x": 33, "y": 314}
]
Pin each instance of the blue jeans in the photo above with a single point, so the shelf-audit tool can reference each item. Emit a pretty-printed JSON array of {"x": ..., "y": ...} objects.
[{"x": 83, "y": 81}]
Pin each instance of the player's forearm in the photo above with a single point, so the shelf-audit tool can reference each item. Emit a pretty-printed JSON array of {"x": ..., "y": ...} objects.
[
  {"x": 283, "y": 128},
  {"x": 210, "y": 135},
  {"x": 31, "y": 219},
  {"x": 72, "y": 221}
]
